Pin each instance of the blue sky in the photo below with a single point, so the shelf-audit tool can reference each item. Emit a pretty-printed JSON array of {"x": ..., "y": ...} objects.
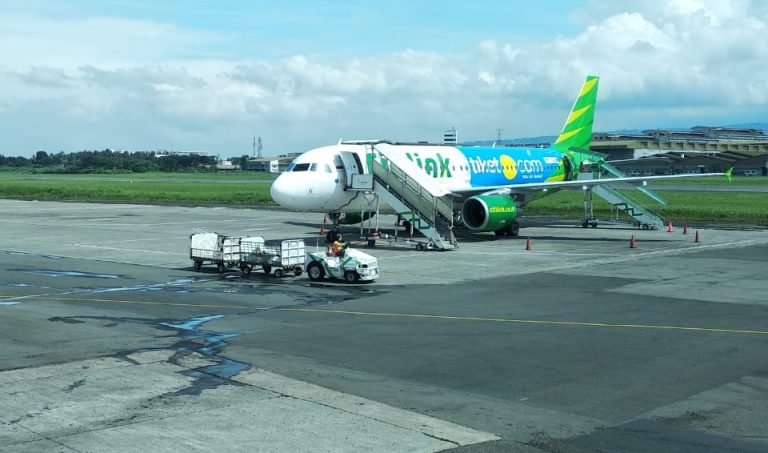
[
  {"x": 201, "y": 75},
  {"x": 259, "y": 29}
]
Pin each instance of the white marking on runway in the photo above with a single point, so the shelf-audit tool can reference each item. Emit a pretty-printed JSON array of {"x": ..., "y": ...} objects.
[{"x": 119, "y": 249}]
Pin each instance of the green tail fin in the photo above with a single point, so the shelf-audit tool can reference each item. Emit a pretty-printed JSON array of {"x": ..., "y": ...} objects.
[{"x": 577, "y": 131}]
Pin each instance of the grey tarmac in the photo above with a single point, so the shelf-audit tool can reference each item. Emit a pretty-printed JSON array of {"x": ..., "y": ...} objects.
[{"x": 112, "y": 342}]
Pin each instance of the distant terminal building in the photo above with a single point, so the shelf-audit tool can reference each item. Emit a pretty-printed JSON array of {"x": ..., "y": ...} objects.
[
  {"x": 160, "y": 152},
  {"x": 227, "y": 165},
  {"x": 698, "y": 134},
  {"x": 163, "y": 152},
  {"x": 700, "y": 149},
  {"x": 450, "y": 137},
  {"x": 276, "y": 164}
]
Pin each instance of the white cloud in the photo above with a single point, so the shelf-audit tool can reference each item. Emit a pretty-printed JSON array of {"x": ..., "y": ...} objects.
[
  {"x": 99, "y": 82},
  {"x": 667, "y": 56}
]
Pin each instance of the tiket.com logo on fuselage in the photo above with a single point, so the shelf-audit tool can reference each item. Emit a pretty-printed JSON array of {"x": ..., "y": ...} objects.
[{"x": 505, "y": 165}]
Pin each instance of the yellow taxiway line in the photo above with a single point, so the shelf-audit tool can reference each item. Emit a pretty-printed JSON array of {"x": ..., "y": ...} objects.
[{"x": 428, "y": 316}]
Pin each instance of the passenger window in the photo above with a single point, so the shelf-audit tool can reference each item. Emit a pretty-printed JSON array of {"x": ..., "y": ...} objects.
[{"x": 300, "y": 167}]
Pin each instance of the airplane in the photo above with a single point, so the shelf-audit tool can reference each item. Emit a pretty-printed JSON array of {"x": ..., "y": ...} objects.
[{"x": 489, "y": 186}]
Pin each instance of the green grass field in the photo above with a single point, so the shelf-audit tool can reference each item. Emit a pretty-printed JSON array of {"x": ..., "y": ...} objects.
[
  {"x": 252, "y": 189},
  {"x": 239, "y": 189},
  {"x": 741, "y": 207}
]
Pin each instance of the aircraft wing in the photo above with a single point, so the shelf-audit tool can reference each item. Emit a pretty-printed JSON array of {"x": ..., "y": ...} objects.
[{"x": 530, "y": 187}]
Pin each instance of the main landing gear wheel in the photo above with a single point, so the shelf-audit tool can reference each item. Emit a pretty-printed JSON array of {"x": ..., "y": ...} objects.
[
  {"x": 315, "y": 272},
  {"x": 512, "y": 229}
]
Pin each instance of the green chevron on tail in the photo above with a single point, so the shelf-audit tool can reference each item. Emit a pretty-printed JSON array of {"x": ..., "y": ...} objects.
[{"x": 577, "y": 132}]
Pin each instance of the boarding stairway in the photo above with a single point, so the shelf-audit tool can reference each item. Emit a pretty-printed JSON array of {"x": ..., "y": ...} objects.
[
  {"x": 642, "y": 215},
  {"x": 426, "y": 208}
]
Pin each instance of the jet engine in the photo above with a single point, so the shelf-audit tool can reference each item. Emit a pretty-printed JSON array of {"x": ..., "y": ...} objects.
[{"x": 490, "y": 213}]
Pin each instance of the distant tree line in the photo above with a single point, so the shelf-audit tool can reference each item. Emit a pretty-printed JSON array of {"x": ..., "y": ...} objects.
[{"x": 109, "y": 161}]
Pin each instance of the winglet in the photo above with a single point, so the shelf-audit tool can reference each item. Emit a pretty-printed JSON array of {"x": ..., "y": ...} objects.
[{"x": 729, "y": 174}]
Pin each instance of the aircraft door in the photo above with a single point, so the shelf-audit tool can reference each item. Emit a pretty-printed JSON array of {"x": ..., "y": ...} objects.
[
  {"x": 568, "y": 168},
  {"x": 351, "y": 166}
]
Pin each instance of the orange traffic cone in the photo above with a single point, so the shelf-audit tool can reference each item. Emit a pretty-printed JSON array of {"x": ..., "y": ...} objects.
[
  {"x": 669, "y": 228},
  {"x": 528, "y": 244},
  {"x": 697, "y": 238},
  {"x": 685, "y": 229},
  {"x": 632, "y": 242}
]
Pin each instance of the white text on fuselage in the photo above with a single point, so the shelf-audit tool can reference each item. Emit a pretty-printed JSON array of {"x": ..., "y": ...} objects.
[{"x": 507, "y": 166}]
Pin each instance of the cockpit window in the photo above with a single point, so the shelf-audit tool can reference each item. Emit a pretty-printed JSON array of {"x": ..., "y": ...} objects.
[{"x": 325, "y": 168}]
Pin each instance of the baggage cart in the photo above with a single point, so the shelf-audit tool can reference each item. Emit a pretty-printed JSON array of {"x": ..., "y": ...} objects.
[
  {"x": 288, "y": 256},
  {"x": 214, "y": 248}
]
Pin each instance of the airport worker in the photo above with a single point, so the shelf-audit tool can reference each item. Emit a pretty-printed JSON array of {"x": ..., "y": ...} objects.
[{"x": 338, "y": 246}]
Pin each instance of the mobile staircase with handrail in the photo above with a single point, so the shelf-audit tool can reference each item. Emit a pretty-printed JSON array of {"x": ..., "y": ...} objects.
[
  {"x": 641, "y": 214},
  {"x": 425, "y": 206}
]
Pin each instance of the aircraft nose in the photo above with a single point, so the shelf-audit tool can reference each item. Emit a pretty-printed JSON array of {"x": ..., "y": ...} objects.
[{"x": 280, "y": 190}]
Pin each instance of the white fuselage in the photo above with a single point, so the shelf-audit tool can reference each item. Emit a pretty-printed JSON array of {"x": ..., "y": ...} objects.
[{"x": 315, "y": 181}]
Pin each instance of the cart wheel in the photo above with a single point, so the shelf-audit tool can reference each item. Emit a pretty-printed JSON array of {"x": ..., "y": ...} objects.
[
  {"x": 246, "y": 269},
  {"x": 279, "y": 272},
  {"x": 351, "y": 276},
  {"x": 197, "y": 264},
  {"x": 419, "y": 246},
  {"x": 297, "y": 271},
  {"x": 220, "y": 267},
  {"x": 267, "y": 269},
  {"x": 315, "y": 272}
]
